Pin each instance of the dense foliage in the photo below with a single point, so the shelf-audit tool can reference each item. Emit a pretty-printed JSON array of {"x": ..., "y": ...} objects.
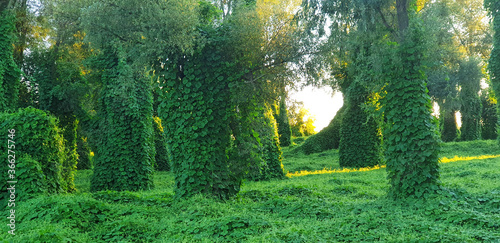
[
  {"x": 181, "y": 96},
  {"x": 284, "y": 130},
  {"x": 9, "y": 72},
  {"x": 494, "y": 61},
  {"x": 298, "y": 209},
  {"x": 162, "y": 161},
  {"x": 124, "y": 135},
  {"x": 470, "y": 76},
  {"x": 489, "y": 117},
  {"x": 30, "y": 177},
  {"x": 196, "y": 112},
  {"x": 360, "y": 140},
  {"x": 410, "y": 136},
  {"x": 36, "y": 135},
  {"x": 326, "y": 139}
]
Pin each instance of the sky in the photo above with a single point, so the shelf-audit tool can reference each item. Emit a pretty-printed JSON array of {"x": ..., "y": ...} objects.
[{"x": 322, "y": 103}]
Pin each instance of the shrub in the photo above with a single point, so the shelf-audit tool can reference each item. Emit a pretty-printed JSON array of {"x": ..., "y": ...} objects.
[
  {"x": 299, "y": 140},
  {"x": 37, "y": 135},
  {"x": 30, "y": 177},
  {"x": 328, "y": 138}
]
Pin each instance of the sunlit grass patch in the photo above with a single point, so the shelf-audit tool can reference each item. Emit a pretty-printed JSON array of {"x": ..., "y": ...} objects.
[
  {"x": 348, "y": 170},
  {"x": 327, "y": 171},
  {"x": 460, "y": 158}
]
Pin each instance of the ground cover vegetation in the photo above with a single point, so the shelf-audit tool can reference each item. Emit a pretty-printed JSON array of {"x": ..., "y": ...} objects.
[
  {"x": 328, "y": 207},
  {"x": 171, "y": 121}
]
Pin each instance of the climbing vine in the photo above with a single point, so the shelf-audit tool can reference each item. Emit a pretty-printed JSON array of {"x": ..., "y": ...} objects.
[
  {"x": 284, "y": 130},
  {"x": 359, "y": 139},
  {"x": 124, "y": 135},
  {"x": 326, "y": 139},
  {"x": 38, "y": 136},
  {"x": 266, "y": 162},
  {"x": 493, "y": 7},
  {"x": 196, "y": 110},
  {"x": 9, "y": 72},
  {"x": 450, "y": 128},
  {"x": 162, "y": 162},
  {"x": 470, "y": 76},
  {"x": 488, "y": 117},
  {"x": 410, "y": 137}
]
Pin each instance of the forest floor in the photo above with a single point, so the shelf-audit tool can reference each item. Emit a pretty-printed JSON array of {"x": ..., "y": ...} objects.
[{"x": 330, "y": 206}]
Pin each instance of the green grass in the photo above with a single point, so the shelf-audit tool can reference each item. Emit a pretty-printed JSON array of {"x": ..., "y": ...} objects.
[{"x": 316, "y": 208}]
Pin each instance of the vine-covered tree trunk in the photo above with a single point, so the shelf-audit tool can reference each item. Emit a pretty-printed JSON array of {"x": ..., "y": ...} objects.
[
  {"x": 359, "y": 139},
  {"x": 69, "y": 124},
  {"x": 9, "y": 72},
  {"x": 268, "y": 149},
  {"x": 471, "y": 116},
  {"x": 196, "y": 110},
  {"x": 470, "y": 75},
  {"x": 125, "y": 146},
  {"x": 410, "y": 136},
  {"x": 489, "y": 118},
  {"x": 493, "y": 7},
  {"x": 450, "y": 128},
  {"x": 162, "y": 160},
  {"x": 284, "y": 130}
]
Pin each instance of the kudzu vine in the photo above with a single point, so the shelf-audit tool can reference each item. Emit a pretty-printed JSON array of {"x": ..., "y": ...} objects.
[
  {"x": 9, "y": 72},
  {"x": 410, "y": 136},
  {"x": 359, "y": 139},
  {"x": 284, "y": 130},
  {"x": 124, "y": 136},
  {"x": 196, "y": 110},
  {"x": 493, "y": 7},
  {"x": 38, "y": 144}
]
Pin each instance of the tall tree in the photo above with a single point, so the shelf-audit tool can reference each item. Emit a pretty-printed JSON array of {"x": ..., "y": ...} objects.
[
  {"x": 284, "y": 130},
  {"x": 9, "y": 71},
  {"x": 493, "y": 7},
  {"x": 129, "y": 40},
  {"x": 469, "y": 77},
  {"x": 410, "y": 138},
  {"x": 489, "y": 117}
]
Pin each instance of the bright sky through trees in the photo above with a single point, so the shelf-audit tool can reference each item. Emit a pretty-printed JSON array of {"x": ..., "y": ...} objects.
[{"x": 320, "y": 103}]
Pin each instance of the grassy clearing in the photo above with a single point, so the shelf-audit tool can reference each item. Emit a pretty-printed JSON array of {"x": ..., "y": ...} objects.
[{"x": 314, "y": 208}]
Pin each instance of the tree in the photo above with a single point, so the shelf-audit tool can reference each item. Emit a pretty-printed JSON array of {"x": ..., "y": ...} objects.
[
  {"x": 489, "y": 116},
  {"x": 396, "y": 56},
  {"x": 355, "y": 73},
  {"x": 298, "y": 125},
  {"x": 360, "y": 143},
  {"x": 409, "y": 135},
  {"x": 9, "y": 71},
  {"x": 130, "y": 39},
  {"x": 494, "y": 61},
  {"x": 469, "y": 76},
  {"x": 284, "y": 130}
]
